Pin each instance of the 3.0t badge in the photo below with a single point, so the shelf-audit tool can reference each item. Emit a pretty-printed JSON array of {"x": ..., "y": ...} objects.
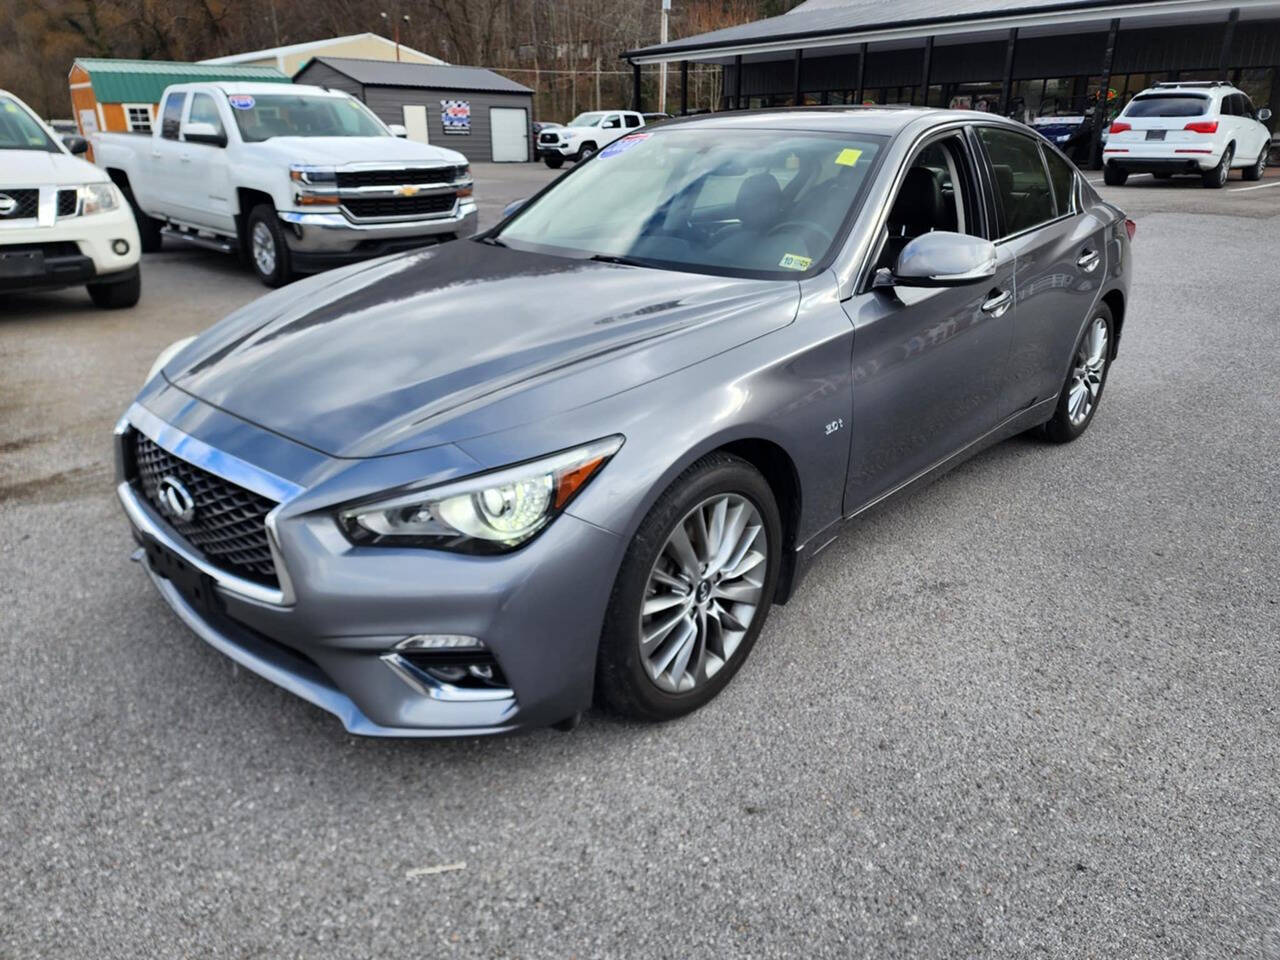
[{"x": 175, "y": 500}]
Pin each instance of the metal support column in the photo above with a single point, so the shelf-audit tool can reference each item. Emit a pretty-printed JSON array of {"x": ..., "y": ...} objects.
[
  {"x": 684, "y": 87},
  {"x": 737, "y": 82},
  {"x": 862, "y": 73},
  {"x": 635, "y": 87},
  {"x": 924, "y": 73},
  {"x": 1100, "y": 108},
  {"x": 1224, "y": 61},
  {"x": 795, "y": 83},
  {"x": 1006, "y": 84}
]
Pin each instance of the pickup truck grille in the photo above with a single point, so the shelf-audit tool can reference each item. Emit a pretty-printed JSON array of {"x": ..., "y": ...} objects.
[
  {"x": 229, "y": 526},
  {"x": 365, "y": 208},
  {"x": 395, "y": 178},
  {"x": 548, "y": 137},
  {"x": 26, "y": 204}
]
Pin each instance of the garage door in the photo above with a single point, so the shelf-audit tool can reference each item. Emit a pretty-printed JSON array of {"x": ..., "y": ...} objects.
[{"x": 509, "y": 134}]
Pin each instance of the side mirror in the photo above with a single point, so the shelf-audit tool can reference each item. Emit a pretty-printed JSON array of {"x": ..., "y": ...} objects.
[
  {"x": 76, "y": 145},
  {"x": 611, "y": 124},
  {"x": 1264, "y": 114},
  {"x": 942, "y": 259},
  {"x": 199, "y": 132},
  {"x": 513, "y": 206},
  {"x": 398, "y": 130}
]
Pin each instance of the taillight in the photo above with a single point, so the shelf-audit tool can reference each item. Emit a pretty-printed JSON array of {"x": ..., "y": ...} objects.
[
  {"x": 1119, "y": 127},
  {"x": 1130, "y": 227},
  {"x": 1202, "y": 126}
]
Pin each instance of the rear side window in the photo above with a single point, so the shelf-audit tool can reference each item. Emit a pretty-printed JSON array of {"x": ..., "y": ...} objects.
[
  {"x": 1167, "y": 105},
  {"x": 1063, "y": 179},
  {"x": 171, "y": 119},
  {"x": 632, "y": 120},
  {"x": 1024, "y": 198}
]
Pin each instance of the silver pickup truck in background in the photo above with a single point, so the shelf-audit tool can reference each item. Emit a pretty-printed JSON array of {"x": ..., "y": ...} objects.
[{"x": 294, "y": 178}]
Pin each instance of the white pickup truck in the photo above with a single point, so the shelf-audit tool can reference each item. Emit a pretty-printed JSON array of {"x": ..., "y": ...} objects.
[{"x": 295, "y": 178}]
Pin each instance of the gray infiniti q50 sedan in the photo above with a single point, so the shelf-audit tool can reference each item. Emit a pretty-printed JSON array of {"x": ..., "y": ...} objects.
[{"x": 471, "y": 488}]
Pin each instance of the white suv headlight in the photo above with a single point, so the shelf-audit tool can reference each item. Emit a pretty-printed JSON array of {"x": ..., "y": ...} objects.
[
  {"x": 99, "y": 198},
  {"x": 489, "y": 513}
]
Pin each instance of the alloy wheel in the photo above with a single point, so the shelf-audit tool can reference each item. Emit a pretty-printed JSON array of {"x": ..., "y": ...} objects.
[
  {"x": 703, "y": 592},
  {"x": 1224, "y": 170},
  {"x": 264, "y": 249},
  {"x": 1088, "y": 370}
]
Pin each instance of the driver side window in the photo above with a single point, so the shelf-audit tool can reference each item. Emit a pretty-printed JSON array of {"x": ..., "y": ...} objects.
[{"x": 935, "y": 194}]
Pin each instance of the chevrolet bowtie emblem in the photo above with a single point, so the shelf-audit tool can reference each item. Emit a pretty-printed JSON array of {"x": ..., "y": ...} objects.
[{"x": 408, "y": 191}]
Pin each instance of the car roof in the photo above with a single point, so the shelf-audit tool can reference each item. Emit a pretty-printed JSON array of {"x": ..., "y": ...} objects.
[{"x": 885, "y": 121}]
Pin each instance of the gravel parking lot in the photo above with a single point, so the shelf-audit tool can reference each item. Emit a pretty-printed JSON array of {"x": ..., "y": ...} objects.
[{"x": 1029, "y": 712}]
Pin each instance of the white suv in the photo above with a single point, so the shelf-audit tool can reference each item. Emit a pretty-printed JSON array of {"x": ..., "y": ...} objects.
[{"x": 1203, "y": 128}]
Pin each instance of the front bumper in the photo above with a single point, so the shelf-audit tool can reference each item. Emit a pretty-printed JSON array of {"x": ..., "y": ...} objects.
[
  {"x": 328, "y": 634},
  {"x": 329, "y": 239},
  {"x": 75, "y": 250}
]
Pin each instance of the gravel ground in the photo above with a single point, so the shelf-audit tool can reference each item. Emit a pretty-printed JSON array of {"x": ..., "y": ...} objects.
[{"x": 1027, "y": 712}]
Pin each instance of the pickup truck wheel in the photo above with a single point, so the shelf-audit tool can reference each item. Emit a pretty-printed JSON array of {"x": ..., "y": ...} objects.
[
  {"x": 586, "y": 151},
  {"x": 116, "y": 296},
  {"x": 267, "y": 248},
  {"x": 554, "y": 161}
]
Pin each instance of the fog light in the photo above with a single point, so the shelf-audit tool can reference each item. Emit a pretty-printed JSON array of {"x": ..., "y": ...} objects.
[
  {"x": 121, "y": 247},
  {"x": 439, "y": 641}
]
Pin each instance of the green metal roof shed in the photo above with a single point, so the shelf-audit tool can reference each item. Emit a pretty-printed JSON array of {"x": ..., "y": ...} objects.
[{"x": 143, "y": 81}]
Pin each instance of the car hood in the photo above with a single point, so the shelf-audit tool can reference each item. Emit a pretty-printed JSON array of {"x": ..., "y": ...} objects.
[
  {"x": 34, "y": 168},
  {"x": 463, "y": 339},
  {"x": 340, "y": 150}
]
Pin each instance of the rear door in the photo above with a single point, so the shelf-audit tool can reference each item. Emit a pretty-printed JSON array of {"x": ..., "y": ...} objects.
[
  {"x": 169, "y": 181},
  {"x": 1060, "y": 259}
]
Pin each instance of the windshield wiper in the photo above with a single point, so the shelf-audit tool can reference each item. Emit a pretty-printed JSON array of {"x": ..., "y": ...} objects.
[
  {"x": 492, "y": 241},
  {"x": 625, "y": 261}
]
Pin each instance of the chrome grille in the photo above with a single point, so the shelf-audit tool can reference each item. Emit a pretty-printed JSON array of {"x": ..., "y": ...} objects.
[
  {"x": 368, "y": 207},
  {"x": 26, "y": 204},
  {"x": 395, "y": 178},
  {"x": 229, "y": 524}
]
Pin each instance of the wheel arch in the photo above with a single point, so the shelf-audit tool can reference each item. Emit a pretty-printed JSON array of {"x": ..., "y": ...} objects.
[
  {"x": 1114, "y": 299},
  {"x": 246, "y": 199}
]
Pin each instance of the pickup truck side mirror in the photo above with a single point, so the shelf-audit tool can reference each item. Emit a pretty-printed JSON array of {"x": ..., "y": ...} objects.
[
  {"x": 1264, "y": 114},
  {"x": 941, "y": 259},
  {"x": 398, "y": 130},
  {"x": 204, "y": 133},
  {"x": 76, "y": 145}
]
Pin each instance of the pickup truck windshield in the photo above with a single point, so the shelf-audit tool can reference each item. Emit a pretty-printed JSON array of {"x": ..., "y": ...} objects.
[
  {"x": 261, "y": 117},
  {"x": 586, "y": 120},
  {"x": 760, "y": 203},
  {"x": 18, "y": 131}
]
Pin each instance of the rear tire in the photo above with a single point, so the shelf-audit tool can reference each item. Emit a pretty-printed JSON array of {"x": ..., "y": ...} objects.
[
  {"x": 266, "y": 247},
  {"x": 116, "y": 296},
  {"x": 1216, "y": 178},
  {"x": 706, "y": 603},
  {"x": 1113, "y": 176},
  {"x": 1259, "y": 167},
  {"x": 554, "y": 161},
  {"x": 1090, "y": 364}
]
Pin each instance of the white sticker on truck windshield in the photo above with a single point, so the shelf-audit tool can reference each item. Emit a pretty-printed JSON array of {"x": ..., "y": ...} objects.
[{"x": 241, "y": 101}]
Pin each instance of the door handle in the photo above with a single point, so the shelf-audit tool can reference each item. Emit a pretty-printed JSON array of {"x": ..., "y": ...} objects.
[
  {"x": 997, "y": 303},
  {"x": 1089, "y": 261}
]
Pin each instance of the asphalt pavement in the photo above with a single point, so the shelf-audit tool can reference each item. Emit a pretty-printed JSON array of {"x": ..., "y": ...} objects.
[{"x": 1030, "y": 711}]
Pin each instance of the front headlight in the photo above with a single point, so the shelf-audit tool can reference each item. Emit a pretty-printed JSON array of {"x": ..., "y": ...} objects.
[
  {"x": 167, "y": 354},
  {"x": 489, "y": 513},
  {"x": 98, "y": 198}
]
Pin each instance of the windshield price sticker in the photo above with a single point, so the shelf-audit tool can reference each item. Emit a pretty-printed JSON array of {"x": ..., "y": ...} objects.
[
  {"x": 793, "y": 261},
  {"x": 848, "y": 157},
  {"x": 623, "y": 145},
  {"x": 241, "y": 101}
]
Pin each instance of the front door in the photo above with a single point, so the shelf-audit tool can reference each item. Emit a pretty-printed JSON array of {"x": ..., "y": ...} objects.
[
  {"x": 415, "y": 122},
  {"x": 509, "y": 134},
  {"x": 928, "y": 364}
]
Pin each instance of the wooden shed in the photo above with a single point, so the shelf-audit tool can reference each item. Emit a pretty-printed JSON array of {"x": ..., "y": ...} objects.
[{"x": 122, "y": 96}]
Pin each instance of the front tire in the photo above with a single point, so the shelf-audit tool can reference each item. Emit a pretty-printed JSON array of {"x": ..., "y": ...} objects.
[
  {"x": 267, "y": 249},
  {"x": 1216, "y": 178},
  {"x": 1259, "y": 167},
  {"x": 554, "y": 161},
  {"x": 586, "y": 152},
  {"x": 116, "y": 296},
  {"x": 1113, "y": 176},
  {"x": 1082, "y": 392},
  {"x": 693, "y": 592}
]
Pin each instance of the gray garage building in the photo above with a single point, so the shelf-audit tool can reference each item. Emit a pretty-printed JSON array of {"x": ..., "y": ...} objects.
[
  {"x": 479, "y": 113},
  {"x": 1017, "y": 57}
]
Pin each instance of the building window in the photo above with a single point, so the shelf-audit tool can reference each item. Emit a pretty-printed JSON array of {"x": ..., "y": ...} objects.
[{"x": 138, "y": 117}]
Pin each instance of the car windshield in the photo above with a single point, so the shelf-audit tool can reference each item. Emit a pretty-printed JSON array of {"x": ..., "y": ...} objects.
[
  {"x": 1167, "y": 105},
  {"x": 586, "y": 120},
  {"x": 19, "y": 131},
  {"x": 263, "y": 116},
  {"x": 760, "y": 203}
]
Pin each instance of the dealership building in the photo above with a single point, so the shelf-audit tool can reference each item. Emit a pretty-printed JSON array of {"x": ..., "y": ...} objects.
[{"x": 1024, "y": 57}]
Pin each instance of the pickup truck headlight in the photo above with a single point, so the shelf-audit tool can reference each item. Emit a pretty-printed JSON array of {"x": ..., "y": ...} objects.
[
  {"x": 316, "y": 186},
  {"x": 490, "y": 513},
  {"x": 99, "y": 198}
]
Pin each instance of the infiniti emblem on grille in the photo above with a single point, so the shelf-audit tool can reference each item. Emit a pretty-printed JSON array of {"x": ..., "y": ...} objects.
[
  {"x": 7, "y": 204},
  {"x": 174, "y": 499}
]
